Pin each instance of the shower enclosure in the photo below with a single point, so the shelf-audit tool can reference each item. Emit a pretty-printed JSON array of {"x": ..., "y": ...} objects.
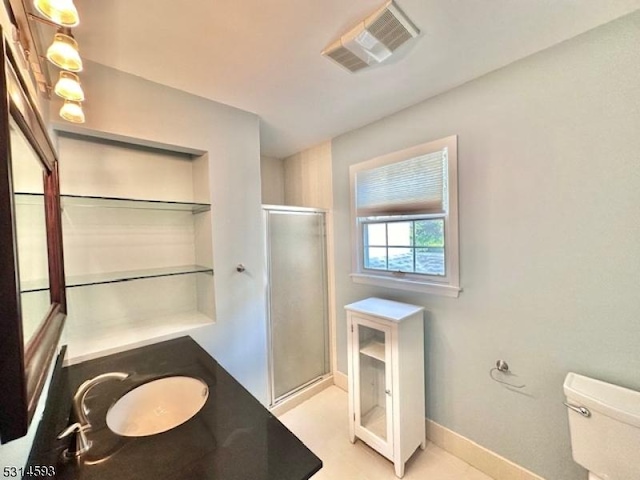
[{"x": 297, "y": 299}]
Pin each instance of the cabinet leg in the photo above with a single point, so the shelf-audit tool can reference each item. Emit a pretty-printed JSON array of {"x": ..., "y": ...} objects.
[
  {"x": 399, "y": 469},
  {"x": 423, "y": 445}
]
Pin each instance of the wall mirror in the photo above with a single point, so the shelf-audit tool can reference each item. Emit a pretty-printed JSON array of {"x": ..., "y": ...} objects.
[{"x": 32, "y": 298}]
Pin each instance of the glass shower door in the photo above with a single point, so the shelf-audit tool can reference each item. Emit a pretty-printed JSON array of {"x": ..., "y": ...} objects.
[{"x": 298, "y": 326}]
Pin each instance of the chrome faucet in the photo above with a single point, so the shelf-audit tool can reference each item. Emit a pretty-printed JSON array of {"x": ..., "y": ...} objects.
[{"x": 82, "y": 425}]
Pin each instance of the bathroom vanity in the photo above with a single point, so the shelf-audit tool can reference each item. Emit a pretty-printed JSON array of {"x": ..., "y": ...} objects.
[{"x": 232, "y": 437}]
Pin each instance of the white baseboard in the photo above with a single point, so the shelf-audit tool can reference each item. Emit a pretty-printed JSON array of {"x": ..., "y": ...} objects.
[
  {"x": 341, "y": 380},
  {"x": 305, "y": 394},
  {"x": 477, "y": 456}
]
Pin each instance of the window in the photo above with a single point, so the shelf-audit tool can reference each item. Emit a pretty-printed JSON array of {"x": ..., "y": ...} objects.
[{"x": 404, "y": 214}]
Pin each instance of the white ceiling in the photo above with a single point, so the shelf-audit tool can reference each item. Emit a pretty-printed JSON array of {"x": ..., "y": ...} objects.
[{"x": 263, "y": 56}]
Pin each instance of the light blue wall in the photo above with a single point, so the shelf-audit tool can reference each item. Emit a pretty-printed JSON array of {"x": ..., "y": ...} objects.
[{"x": 549, "y": 199}]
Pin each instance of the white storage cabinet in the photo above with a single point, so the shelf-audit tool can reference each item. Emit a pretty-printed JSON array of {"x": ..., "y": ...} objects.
[{"x": 386, "y": 377}]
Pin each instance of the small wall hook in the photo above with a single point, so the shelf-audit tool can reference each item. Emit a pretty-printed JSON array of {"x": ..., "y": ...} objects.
[{"x": 502, "y": 366}]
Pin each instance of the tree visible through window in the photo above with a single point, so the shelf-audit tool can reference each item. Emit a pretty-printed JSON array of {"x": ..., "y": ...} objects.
[{"x": 415, "y": 246}]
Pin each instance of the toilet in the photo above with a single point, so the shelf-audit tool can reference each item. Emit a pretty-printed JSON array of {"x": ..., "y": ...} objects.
[{"x": 604, "y": 421}]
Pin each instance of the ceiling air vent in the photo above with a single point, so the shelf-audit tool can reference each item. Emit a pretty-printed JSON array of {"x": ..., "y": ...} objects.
[{"x": 373, "y": 40}]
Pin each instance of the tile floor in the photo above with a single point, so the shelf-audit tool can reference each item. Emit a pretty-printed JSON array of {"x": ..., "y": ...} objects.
[{"x": 321, "y": 423}]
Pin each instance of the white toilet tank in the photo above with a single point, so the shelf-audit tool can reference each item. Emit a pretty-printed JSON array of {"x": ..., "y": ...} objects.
[{"x": 607, "y": 441}]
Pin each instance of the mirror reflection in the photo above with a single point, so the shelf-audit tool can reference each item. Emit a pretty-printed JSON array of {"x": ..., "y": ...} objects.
[{"x": 31, "y": 232}]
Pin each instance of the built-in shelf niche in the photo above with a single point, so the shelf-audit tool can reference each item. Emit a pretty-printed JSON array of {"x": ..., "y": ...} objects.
[{"x": 137, "y": 237}]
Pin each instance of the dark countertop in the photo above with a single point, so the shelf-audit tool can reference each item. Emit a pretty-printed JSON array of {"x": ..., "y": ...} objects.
[{"x": 233, "y": 437}]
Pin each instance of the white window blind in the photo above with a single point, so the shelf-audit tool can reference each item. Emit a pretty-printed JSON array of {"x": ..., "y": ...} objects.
[{"x": 414, "y": 186}]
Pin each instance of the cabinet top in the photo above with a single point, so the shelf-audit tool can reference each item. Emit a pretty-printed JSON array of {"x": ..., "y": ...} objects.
[{"x": 388, "y": 309}]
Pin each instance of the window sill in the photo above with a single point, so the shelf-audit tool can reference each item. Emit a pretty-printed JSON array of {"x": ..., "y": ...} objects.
[{"x": 403, "y": 284}]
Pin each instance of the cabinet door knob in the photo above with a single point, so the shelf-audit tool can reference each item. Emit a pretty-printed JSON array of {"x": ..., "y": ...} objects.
[{"x": 388, "y": 392}]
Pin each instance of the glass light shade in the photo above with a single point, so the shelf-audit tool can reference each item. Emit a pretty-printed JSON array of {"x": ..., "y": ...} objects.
[
  {"x": 68, "y": 87},
  {"x": 63, "y": 53},
  {"x": 72, "y": 111},
  {"x": 62, "y": 12}
]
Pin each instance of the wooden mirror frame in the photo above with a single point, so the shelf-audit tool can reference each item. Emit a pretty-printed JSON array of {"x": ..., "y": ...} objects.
[{"x": 24, "y": 368}]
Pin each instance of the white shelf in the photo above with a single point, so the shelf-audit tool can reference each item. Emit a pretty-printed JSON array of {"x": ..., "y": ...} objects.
[
  {"x": 375, "y": 420},
  {"x": 28, "y": 198},
  {"x": 116, "y": 277},
  {"x": 105, "y": 341},
  {"x": 119, "y": 202},
  {"x": 374, "y": 349}
]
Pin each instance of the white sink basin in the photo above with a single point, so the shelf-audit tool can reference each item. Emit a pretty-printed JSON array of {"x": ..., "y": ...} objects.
[{"x": 157, "y": 406}]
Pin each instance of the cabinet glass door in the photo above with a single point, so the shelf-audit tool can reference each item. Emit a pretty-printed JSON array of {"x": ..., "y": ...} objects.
[{"x": 373, "y": 367}]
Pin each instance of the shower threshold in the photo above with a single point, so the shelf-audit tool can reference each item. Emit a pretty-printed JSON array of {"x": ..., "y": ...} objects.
[{"x": 302, "y": 393}]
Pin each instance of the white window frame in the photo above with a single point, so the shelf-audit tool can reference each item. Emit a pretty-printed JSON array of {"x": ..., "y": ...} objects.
[{"x": 447, "y": 285}]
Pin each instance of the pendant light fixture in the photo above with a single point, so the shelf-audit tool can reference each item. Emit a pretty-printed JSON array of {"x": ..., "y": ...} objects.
[
  {"x": 63, "y": 52},
  {"x": 61, "y": 12},
  {"x": 72, "y": 111},
  {"x": 68, "y": 87}
]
